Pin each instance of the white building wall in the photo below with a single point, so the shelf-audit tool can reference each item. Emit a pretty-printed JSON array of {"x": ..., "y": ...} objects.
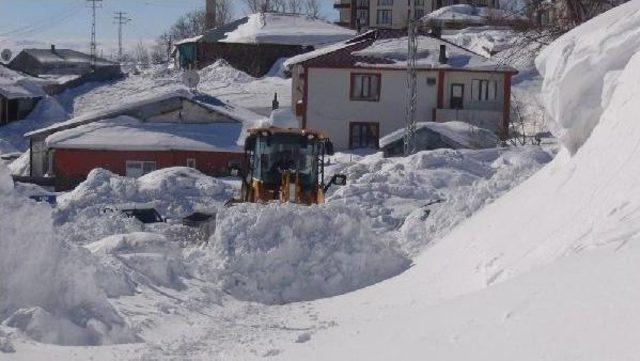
[
  {"x": 400, "y": 11},
  {"x": 329, "y": 108},
  {"x": 466, "y": 78}
]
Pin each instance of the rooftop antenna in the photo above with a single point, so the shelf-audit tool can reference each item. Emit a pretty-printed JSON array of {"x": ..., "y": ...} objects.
[
  {"x": 121, "y": 19},
  {"x": 412, "y": 82},
  {"x": 94, "y": 5}
]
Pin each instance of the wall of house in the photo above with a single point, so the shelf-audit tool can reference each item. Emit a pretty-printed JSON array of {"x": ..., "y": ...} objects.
[
  {"x": 72, "y": 166},
  {"x": 254, "y": 59},
  {"x": 330, "y": 108}
]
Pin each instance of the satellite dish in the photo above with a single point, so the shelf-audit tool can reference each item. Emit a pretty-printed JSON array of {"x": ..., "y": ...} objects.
[
  {"x": 6, "y": 55},
  {"x": 191, "y": 79}
]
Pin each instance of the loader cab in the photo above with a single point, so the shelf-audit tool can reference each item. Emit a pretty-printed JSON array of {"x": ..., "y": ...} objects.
[{"x": 286, "y": 165}]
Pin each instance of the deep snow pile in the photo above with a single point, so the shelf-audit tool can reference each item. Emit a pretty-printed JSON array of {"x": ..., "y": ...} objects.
[
  {"x": 425, "y": 195},
  {"x": 548, "y": 271},
  {"x": 48, "y": 289},
  {"x": 174, "y": 192},
  {"x": 578, "y": 81},
  {"x": 283, "y": 253}
]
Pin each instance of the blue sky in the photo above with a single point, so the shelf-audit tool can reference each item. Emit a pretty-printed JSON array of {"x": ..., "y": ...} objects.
[{"x": 69, "y": 20}]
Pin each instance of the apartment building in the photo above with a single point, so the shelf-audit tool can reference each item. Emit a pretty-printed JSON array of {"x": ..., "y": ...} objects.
[{"x": 391, "y": 14}]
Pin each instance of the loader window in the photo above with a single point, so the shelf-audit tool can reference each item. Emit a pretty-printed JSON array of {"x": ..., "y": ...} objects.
[{"x": 287, "y": 153}]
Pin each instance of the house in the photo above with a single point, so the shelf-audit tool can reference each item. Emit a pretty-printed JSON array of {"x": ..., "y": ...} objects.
[
  {"x": 462, "y": 16},
  {"x": 64, "y": 68},
  {"x": 179, "y": 128},
  {"x": 355, "y": 91},
  {"x": 256, "y": 42},
  {"x": 18, "y": 96},
  {"x": 392, "y": 14}
]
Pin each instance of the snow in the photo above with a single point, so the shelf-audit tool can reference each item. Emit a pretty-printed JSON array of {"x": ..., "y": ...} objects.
[
  {"x": 283, "y": 118},
  {"x": 395, "y": 50},
  {"x": 462, "y": 134},
  {"x": 129, "y": 133},
  {"x": 14, "y": 85},
  {"x": 470, "y": 13},
  {"x": 299, "y": 260},
  {"x": 578, "y": 80},
  {"x": 289, "y": 29},
  {"x": 49, "y": 288},
  {"x": 289, "y": 63}
]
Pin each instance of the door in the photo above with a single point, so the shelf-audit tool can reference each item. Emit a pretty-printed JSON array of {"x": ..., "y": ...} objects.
[
  {"x": 457, "y": 96},
  {"x": 364, "y": 135}
]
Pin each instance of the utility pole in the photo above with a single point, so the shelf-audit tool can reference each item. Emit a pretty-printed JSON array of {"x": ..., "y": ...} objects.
[
  {"x": 94, "y": 5},
  {"x": 121, "y": 20},
  {"x": 211, "y": 14},
  {"x": 412, "y": 82}
]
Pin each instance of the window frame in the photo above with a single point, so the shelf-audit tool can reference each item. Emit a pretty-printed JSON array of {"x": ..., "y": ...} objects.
[
  {"x": 352, "y": 125},
  {"x": 389, "y": 18},
  {"x": 352, "y": 82},
  {"x": 142, "y": 164},
  {"x": 480, "y": 90},
  {"x": 194, "y": 161}
]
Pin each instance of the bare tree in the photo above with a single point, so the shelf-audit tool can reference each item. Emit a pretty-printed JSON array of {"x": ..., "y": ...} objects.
[
  {"x": 142, "y": 55},
  {"x": 314, "y": 8},
  {"x": 254, "y": 6},
  {"x": 295, "y": 6}
]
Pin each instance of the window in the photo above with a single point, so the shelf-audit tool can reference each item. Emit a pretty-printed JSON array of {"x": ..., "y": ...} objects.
[
  {"x": 484, "y": 90},
  {"x": 419, "y": 14},
  {"x": 363, "y": 17},
  {"x": 385, "y": 2},
  {"x": 365, "y": 87},
  {"x": 384, "y": 17},
  {"x": 137, "y": 168},
  {"x": 364, "y": 135},
  {"x": 417, "y": 2},
  {"x": 191, "y": 163}
]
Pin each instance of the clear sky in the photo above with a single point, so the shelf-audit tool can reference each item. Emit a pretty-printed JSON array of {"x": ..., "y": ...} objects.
[{"x": 68, "y": 21}]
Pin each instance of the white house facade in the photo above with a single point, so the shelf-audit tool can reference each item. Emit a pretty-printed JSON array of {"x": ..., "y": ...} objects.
[{"x": 356, "y": 93}]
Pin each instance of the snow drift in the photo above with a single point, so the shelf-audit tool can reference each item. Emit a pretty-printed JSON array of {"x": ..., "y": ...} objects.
[
  {"x": 548, "y": 271},
  {"x": 581, "y": 68},
  {"x": 47, "y": 288},
  {"x": 173, "y": 192},
  {"x": 283, "y": 253}
]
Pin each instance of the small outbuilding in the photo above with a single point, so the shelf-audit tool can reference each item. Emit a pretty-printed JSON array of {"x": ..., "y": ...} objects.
[
  {"x": 18, "y": 96},
  {"x": 256, "y": 42},
  {"x": 64, "y": 68},
  {"x": 174, "y": 129}
]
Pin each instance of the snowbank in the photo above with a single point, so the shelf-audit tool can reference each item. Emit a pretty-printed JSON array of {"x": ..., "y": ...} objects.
[
  {"x": 549, "y": 270},
  {"x": 313, "y": 252},
  {"x": 582, "y": 67},
  {"x": 425, "y": 195},
  {"x": 48, "y": 288},
  {"x": 174, "y": 192},
  {"x": 291, "y": 29}
]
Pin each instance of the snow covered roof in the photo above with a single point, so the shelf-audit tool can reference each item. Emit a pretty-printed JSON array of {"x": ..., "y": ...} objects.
[
  {"x": 458, "y": 134},
  {"x": 154, "y": 105},
  {"x": 128, "y": 133},
  {"x": 467, "y": 13},
  {"x": 14, "y": 85},
  {"x": 61, "y": 56},
  {"x": 388, "y": 49},
  {"x": 287, "y": 29}
]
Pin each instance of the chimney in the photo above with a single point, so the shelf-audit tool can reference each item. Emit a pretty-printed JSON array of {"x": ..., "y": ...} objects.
[
  {"x": 210, "y": 17},
  {"x": 443, "y": 54},
  {"x": 53, "y": 48},
  {"x": 275, "y": 104}
]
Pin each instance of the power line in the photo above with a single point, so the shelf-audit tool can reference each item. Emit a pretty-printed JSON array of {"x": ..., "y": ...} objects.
[
  {"x": 121, "y": 19},
  {"x": 94, "y": 4}
]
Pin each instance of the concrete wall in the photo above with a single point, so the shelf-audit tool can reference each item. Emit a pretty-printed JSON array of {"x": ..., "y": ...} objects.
[
  {"x": 400, "y": 10},
  {"x": 330, "y": 109}
]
